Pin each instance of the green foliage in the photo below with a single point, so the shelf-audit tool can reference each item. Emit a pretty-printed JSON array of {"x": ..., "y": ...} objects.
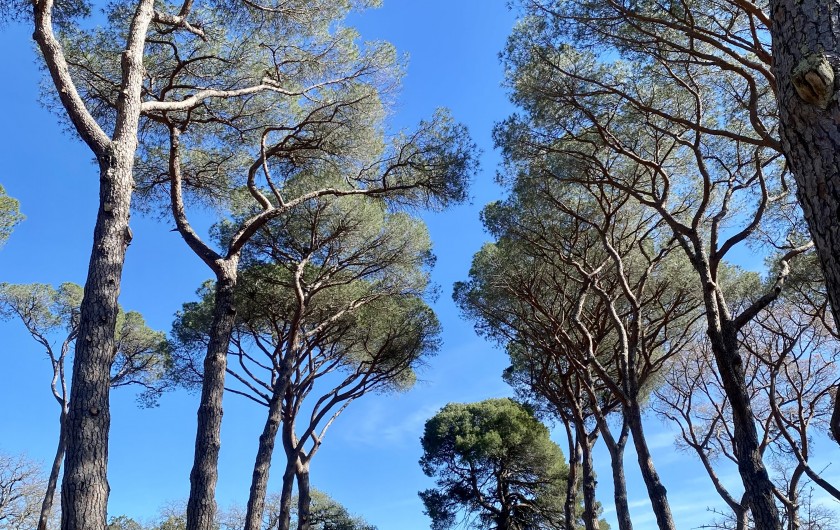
[
  {"x": 42, "y": 308},
  {"x": 362, "y": 272},
  {"x": 318, "y": 114},
  {"x": 142, "y": 355},
  {"x": 494, "y": 466},
  {"x": 123, "y": 522},
  {"x": 10, "y": 215},
  {"x": 329, "y": 514}
]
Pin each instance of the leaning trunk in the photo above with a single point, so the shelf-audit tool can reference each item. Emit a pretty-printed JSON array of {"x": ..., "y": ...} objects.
[
  {"x": 304, "y": 498},
  {"x": 52, "y": 482},
  {"x": 757, "y": 484},
  {"x": 259, "y": 480},
  {"x": 201, "y": 506},
  {"x": 806, "y": 43},
  {"x": 590, "y": 511},
  {"x": 656, "y": 490}
]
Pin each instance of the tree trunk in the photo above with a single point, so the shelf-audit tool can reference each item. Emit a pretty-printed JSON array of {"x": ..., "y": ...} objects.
[
  {"x": 285, "y": 517},
  {"x": 304, "y": 497},
  {"x": 656, "y": 490},
  {"x": 52, "y": 482},
  {"x": 806, "y": 56},
  {"x": 262, "y": 465},
  {"x": 757, "y": 484},
  {"x": 84, "y": 488},
  {"x": 503, "y": 521},
  {"x": 201, "y": 506},
  {"x": 590, "y": 511},
  {"x": 570, "y": 506},
  {"x": 742, "y": 519},
  {"x": 792, "y": 507},
  {"x": 616, "y": 450}
]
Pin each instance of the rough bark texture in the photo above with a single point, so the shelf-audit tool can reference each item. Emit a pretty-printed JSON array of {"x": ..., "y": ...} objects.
[
  {"x": 590, "y": 513},
  {"x": 52, "y": 481},
  {"x": 806, "y": 42},
  {"x": 201, "y": 506},
  {"x": 84, "y": 490},
  {"x": 757, "y": 484},
  {"x": 616, "y": 450},
  {"x": 262, "y": 465},
  {"x": 656, "y": 490},
  {"x": 304, "y": 497},
  {"x": 573, "y": 481},
  {"x": 285, "y": 517}
]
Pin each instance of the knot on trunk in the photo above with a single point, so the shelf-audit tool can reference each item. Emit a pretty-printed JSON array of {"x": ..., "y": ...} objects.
[{"x": 813, "y": 80}]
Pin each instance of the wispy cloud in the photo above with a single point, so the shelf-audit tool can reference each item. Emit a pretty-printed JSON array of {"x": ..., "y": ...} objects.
[{"x": 382, "y": 426}]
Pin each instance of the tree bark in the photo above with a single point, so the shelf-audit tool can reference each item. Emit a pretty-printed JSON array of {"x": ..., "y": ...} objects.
[
  {"x": 84, "y": 490},
  {"x": 304, "y": 497},
  {"x": 52, "y": 481},
  {"x": 262, "y": 465},
  {"x": 616, "y": 450},
  {"x": 806, "y": 56},
  {"x": 285, "y": 517},
  {"x": 757, "y": 484},
  {"x": 792, "y": 504},
  {"x": 290, "y": 447},
  {"x": 590, "y": 512},
  {"x": 573, "y": 481},
  {"x": 201, "y": 506},
  {"x": 656, "y": 490}
]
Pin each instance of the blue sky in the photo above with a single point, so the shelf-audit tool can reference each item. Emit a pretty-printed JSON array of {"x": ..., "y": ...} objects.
[{"x": 369, "y": 458}]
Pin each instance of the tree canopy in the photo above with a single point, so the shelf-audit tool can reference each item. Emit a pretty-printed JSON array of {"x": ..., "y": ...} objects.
[
  {"x": 10, "y": 215},
  {"x": 494, "y": 466}
]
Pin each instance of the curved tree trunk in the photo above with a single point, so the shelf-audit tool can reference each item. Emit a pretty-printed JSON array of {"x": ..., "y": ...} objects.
[
  {"x": 201, "y": 506},
  {"x": 52, "y": 481},
  {"x": 806, "y": 57},
  {"x": 757, "y": 484},
  {"x": 262, "y": 465}
]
